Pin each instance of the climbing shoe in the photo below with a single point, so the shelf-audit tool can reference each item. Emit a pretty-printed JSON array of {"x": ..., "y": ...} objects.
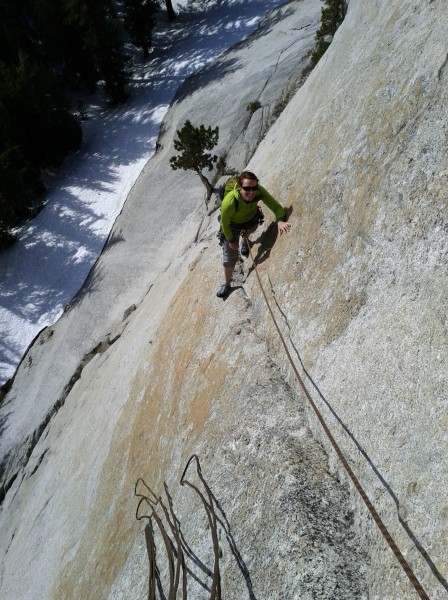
[
  {"x": 244, "y": 247},
  {"x": 223, "y": 291}
]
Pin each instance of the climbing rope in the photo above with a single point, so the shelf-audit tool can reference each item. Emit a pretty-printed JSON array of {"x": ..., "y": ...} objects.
[
  {"x": 382, "y": 527},
  {"x": 212, "y": 520},
  {"x": 175, "y": 544}
]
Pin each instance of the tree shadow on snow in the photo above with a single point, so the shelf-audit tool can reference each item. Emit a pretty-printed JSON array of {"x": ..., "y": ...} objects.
[{"x": 218, "y": 69}]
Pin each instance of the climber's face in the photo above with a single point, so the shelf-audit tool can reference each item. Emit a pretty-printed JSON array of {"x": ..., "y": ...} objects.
[{"x": 248, "y": 189}]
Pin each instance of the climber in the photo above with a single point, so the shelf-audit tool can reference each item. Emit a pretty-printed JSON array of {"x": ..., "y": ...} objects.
[{"x": 240, "y": 216}]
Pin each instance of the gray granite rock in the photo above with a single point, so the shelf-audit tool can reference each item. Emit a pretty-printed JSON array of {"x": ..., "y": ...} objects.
[{"x": 359, "y": 290}]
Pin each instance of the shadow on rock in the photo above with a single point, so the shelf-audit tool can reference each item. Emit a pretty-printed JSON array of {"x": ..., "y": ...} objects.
[
  {"x": 181, "y": 561},
  {"x": 266, "y": 241}
]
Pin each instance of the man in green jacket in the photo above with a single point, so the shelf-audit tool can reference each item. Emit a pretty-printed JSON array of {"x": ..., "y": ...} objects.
[{"x": 240, "y": 215}]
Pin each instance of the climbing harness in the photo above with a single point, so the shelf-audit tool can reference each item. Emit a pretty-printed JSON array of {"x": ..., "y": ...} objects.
[{"x": 382, "y": 527}]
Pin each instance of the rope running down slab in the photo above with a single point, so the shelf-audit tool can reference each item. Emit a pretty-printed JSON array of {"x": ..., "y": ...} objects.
[{"x": 382, "y": 527}]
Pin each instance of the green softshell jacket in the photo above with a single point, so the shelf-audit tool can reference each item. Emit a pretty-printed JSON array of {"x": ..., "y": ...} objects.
[{"x": 235, "y": 210}]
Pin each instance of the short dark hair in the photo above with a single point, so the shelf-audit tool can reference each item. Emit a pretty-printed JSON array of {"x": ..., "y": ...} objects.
[{"x": 246, "y": 175}]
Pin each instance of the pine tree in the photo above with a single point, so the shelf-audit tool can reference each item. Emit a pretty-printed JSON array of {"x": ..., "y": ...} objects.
[
  {"x": 139, "y": 21},
  {"x": 98, "y": 45},
  {"x": 36, "y": 131},
  {"x": 37, "y": 114},
  {"x": 62, "y": 47},
  {"x": 44, "y": 47},
  {"x": 332, "y": 16},
  {"x": 170, "y": 10},
  {"x": 79, "y": 40},
  {"x": 193, "y": 142},
  {"x": 19, "y": 191},
  {"x": 10, "y": 30}
]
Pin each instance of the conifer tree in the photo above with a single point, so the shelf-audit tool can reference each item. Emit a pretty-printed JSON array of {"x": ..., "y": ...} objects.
[
  {"x": 193, "y": 142},
  {"x": 139, "y": 20},
  {"x": 332, "y": 16},
  {"x": 10, "y": 30},
  {"x": 170, "y": 10},
  {"x": 19, "y": 187},
  {"x": 37, "y": 114},
  {"x": 98, "y": 47},
  {"x": 46, "y": 46},
  {"x": 36, "y": 131}
]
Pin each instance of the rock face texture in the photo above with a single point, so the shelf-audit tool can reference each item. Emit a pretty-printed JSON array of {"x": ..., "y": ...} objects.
[{"x": 359, "y": 291}]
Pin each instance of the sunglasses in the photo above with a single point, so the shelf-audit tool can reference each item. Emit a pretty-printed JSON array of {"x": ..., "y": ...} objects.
[{"x": 248, "y": 188}]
